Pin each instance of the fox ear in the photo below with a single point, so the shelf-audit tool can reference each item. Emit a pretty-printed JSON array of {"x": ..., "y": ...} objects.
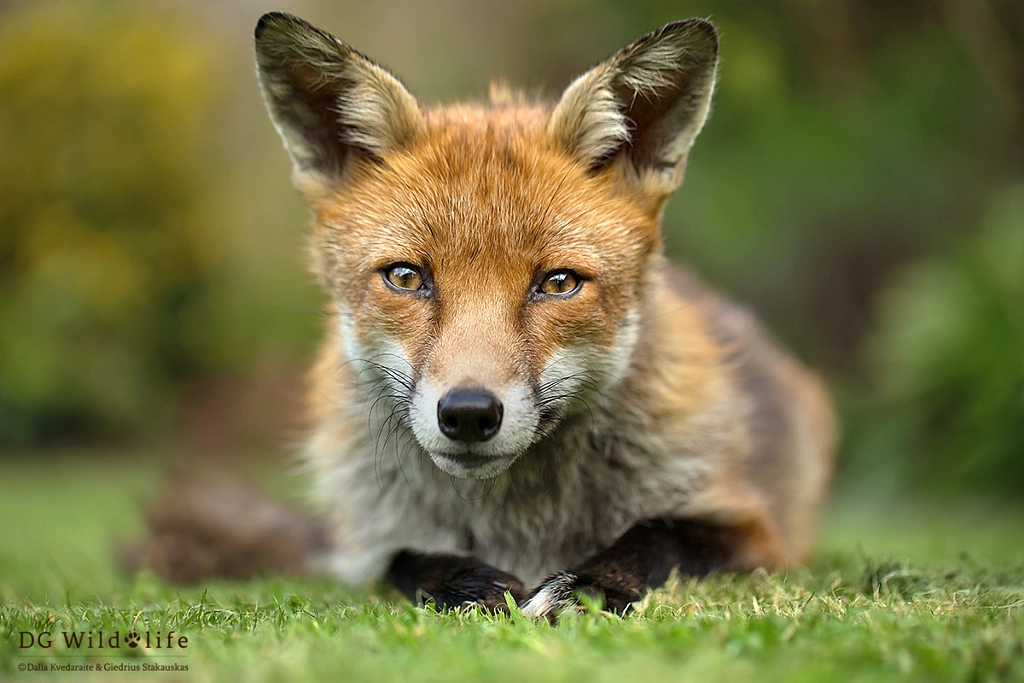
[
  {"x": 327, "y": 101},
  {"x": 646, "y": 102}
]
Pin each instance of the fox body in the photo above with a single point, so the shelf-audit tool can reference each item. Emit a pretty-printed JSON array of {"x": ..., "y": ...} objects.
[{"x": 516, "y": 392}]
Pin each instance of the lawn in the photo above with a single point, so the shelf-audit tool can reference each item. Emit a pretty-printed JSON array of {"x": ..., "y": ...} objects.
[{"x": 908, "y": 591}]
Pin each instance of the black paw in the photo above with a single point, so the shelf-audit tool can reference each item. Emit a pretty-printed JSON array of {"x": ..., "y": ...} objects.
[
  {"x": 562, "y": 590},
  {"x": 451, "y": 581},
  {"x": 483, "y": 585}
]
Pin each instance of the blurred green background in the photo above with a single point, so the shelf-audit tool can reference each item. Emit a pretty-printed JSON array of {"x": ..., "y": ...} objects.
[{"x": 860, "y": 185}]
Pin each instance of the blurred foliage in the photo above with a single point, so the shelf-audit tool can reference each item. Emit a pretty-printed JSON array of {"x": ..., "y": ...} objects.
[
  {"x": 850, "y": 187},
  {"x": 948, "y": 358},
  {"x": 109, "y": 254}
]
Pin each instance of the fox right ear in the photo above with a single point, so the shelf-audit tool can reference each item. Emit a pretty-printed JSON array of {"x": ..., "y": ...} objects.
[
  {"x": 327, "y": 101},
  {"x": 646, "y": 103}
]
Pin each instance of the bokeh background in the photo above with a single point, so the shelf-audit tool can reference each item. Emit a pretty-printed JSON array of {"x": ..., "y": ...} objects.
[{"x": 860, "y": 184}]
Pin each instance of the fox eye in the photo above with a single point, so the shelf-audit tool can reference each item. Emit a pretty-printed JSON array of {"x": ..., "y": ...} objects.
[
  {"x": 403, "y": 276},
  {"x": 561, "y": 283}
]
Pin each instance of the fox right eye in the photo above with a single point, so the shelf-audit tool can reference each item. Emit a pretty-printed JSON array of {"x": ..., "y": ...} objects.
[
  {"x": 403, "y": 276},
  {"x": 560, "y": 283}
]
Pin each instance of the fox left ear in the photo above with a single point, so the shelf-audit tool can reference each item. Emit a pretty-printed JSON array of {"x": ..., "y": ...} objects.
[
  {"x": 647, "y": 102},
  {"x": 330, "y": 104}
]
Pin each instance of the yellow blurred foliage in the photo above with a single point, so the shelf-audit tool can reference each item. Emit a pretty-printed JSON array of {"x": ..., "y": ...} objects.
[{"x": 108, "y": 208}]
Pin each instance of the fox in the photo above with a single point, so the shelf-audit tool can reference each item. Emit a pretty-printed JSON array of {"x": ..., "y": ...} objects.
[{"x": 517, "y": 394}]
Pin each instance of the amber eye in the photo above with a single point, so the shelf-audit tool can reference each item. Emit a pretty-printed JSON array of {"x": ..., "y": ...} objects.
[
  {"x": 561, "y": 283},
  {"x": 403, "y": 276}
]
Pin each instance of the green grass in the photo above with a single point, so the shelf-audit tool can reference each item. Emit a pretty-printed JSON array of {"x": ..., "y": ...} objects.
[{"x": 913, "y": 591}]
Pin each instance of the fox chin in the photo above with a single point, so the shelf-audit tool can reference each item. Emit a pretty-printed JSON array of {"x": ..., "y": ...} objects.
[{"x": 516, "y": 393}]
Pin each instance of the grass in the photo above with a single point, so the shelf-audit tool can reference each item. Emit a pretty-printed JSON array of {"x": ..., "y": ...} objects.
[{"x": 913, "y": 591}]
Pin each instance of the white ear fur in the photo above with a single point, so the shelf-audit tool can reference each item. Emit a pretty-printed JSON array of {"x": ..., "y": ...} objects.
[
  {"x": 649, "y": 101},
  {"x": 326, "y": 100},
  {"x": 588, "y": 120}
]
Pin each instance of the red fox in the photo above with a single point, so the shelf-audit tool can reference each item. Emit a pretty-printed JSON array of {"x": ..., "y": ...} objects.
[{"x": 516, "y": 392}]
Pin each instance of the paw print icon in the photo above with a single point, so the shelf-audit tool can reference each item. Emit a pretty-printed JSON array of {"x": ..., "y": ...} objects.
[{"x": 132, "y": 639}]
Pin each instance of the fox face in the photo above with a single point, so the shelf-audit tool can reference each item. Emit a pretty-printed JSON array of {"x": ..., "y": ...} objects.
[
  {"x": 496, "y": 307},
  {"x": 489, "y": 263}
]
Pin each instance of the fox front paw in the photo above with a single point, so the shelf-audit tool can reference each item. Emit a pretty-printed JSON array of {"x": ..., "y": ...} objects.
[
  {"x": 483, "y": 586},
  {"x": 451, "y": 581},
  {"x": 554, "y": 593},
  {"x": 561, "y": 590}
]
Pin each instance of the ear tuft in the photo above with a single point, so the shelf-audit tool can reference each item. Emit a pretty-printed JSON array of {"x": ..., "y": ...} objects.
[
  {"x": 649, "y": 101},
  {"x": 588, "y": 121},
  {"x": 327, "y": 101}
]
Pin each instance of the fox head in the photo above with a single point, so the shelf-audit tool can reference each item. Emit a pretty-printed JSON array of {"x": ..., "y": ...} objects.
[{"x": 489, "y": 263}]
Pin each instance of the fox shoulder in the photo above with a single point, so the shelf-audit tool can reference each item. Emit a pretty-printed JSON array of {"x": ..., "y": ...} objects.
[{"x": 774, "y": 480}]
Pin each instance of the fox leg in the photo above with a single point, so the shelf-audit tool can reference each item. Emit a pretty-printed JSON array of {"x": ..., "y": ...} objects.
[
  {"x": 452, "y": 581},
  {"x": 642, "y": 558}
]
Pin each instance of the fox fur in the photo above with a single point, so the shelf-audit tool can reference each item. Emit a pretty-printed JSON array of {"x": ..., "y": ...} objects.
[{"x": 640, "y": 414}]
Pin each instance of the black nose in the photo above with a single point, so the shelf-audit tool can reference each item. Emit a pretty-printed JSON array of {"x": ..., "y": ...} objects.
[{"x": 469, "y": 415}]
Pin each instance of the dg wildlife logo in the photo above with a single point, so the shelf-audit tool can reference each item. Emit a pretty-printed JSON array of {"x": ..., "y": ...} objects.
[{"x": 102, "y": 640}]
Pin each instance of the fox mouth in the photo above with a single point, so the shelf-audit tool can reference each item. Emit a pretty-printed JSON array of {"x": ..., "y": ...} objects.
[{"x": 472, "y": 465}]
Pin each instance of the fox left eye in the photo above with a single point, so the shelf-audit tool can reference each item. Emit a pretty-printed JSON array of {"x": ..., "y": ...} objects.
[
  {"x": 561, "y": 283},
  {"x": 403, "y": 276}
]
